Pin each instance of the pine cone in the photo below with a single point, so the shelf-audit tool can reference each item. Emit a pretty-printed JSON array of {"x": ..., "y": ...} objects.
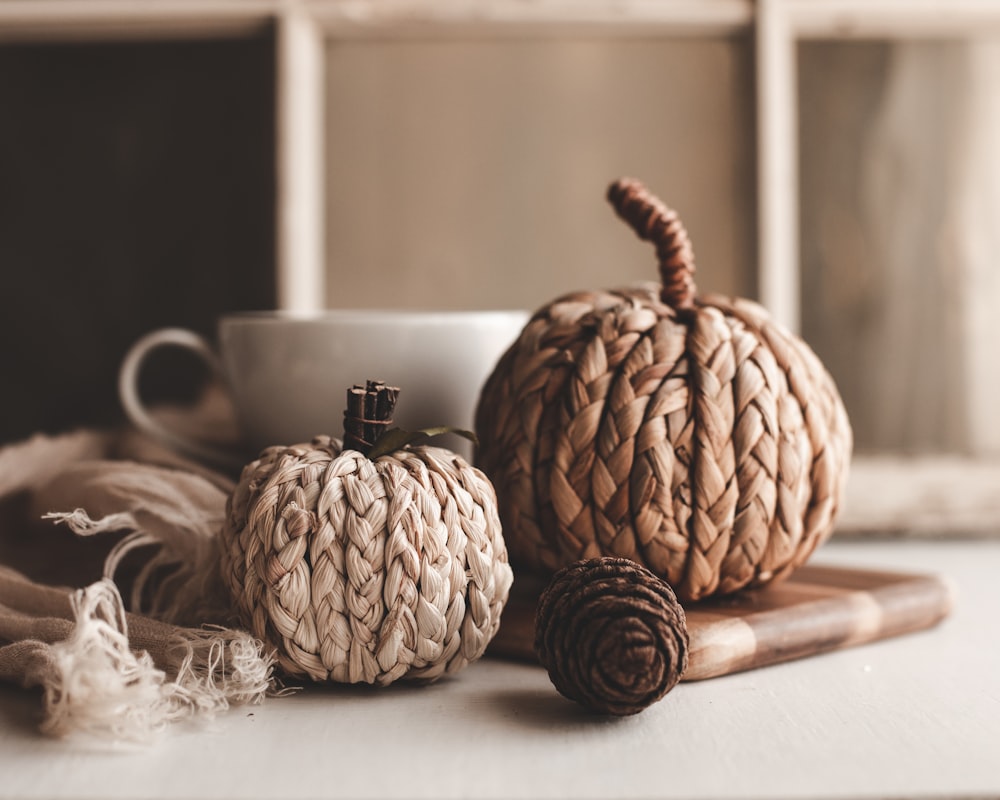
[{"x": 611, "y": 635}]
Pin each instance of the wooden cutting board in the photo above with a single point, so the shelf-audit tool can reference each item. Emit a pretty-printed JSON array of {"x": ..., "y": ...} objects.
[{"x": 817, "y": 609}]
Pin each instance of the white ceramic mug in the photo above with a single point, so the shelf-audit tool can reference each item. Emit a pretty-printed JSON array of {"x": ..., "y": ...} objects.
[{"x": 288, "y": 374}]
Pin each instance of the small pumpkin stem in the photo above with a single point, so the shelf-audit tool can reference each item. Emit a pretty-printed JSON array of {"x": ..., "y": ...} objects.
[
  {"x": 655, "y": 222},
  {"x": 368, "y": 414}
]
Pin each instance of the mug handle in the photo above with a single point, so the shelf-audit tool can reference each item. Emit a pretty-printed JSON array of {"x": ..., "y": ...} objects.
[{"x": 135, "y": 410}]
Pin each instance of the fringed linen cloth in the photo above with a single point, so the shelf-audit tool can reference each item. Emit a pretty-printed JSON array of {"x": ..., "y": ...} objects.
[{"x": 144, "y": 526}]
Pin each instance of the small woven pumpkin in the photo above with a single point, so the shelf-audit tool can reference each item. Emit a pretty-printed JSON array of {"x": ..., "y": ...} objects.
[
  {"x": 364, "y": 567},
  {"x": 691, "y": 434}
]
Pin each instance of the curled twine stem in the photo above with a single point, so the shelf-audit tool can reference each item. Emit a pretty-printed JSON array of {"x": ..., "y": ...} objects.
[
  {"x": 368, "y": 414},
  {"x": 655, "y": 222}
]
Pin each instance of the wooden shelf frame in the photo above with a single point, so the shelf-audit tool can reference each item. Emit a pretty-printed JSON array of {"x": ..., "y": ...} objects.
[
  {"x": 971, "y": 500},
  {"x": 305, "y": 25}
]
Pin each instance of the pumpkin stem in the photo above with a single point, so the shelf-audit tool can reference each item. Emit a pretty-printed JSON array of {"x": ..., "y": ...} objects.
[
  {"x": 368, "y": 414},
  {"x": 654, "y": 222}
]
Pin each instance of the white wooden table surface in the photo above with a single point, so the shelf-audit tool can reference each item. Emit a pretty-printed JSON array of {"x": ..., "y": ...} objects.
[{"x": 917, "y": 715}]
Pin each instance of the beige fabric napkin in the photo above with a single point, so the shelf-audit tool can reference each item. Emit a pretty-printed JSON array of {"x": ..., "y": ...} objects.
[{"x": 86, "y": 518}]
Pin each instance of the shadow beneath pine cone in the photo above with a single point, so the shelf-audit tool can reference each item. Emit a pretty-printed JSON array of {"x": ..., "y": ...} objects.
[{"x": 547, "y": 710}]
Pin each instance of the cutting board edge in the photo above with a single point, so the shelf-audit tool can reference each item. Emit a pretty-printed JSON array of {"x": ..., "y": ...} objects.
[{"x": 886, "y": 612}]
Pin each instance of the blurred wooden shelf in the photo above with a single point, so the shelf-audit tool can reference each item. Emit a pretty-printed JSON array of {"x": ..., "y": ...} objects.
[
  {"x": 922, "y": 496},
  {"x": 925, "y": 495}
]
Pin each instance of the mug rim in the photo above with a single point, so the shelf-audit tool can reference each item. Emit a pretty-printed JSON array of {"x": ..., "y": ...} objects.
[{"x": 371, "y": 315}]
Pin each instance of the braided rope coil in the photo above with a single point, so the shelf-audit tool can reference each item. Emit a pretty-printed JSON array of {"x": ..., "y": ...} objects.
[
  {"x": 360, "y": 571},
  {"x": 696, "y": 437}
]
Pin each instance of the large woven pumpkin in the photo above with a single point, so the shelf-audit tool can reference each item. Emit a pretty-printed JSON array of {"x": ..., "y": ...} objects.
[{"x": 689, "y": 433}]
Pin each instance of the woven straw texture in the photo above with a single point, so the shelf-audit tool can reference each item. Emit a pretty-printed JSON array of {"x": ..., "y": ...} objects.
[
  {"x": 691, "y": 434},
  {"x": 366, "y": 571}
]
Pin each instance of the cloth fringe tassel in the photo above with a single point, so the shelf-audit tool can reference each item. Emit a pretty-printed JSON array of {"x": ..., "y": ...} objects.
[{"x": 94, "y": 683}]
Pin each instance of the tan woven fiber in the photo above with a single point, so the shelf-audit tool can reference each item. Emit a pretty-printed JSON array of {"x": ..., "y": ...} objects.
[
  {"x": 361, "y": 571},
  {"x": 689, "y": 433}
]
